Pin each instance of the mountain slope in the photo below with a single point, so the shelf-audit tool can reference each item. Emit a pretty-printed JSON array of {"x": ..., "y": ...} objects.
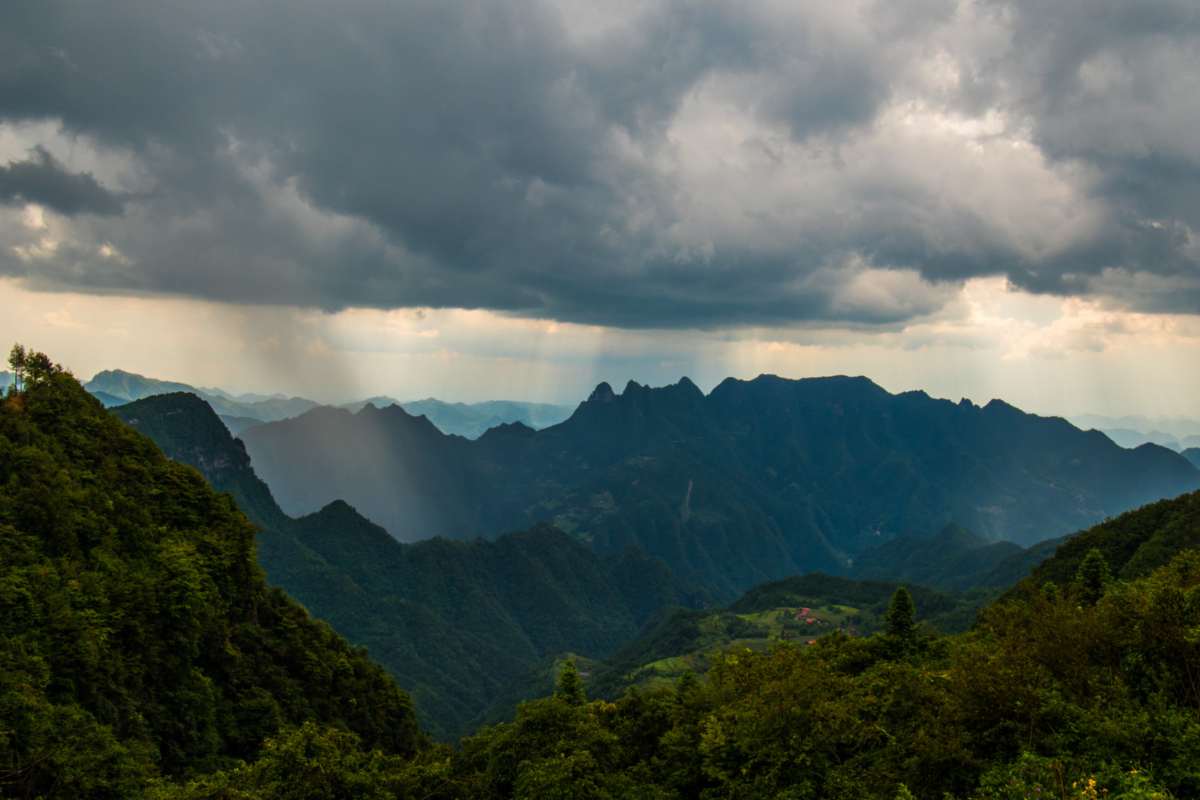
[
  {"x": 137, "y": 634},
  {"x": 1134, "y": 543},
  {"x": 756, "y": 481},
  {"x": 1192, "y": 454},
  {"x": 456, "y": 622},
  {"x": 954, "y": 558}
]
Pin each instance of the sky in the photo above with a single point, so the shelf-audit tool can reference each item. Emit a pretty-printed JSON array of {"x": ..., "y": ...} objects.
[{"x": 519, "y": 198}]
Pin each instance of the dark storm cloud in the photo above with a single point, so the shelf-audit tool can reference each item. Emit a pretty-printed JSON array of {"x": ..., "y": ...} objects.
[
  {"x": 1116, "y": 86},
  {"x": 42, "y": 179},
  {"x": 506, "y": 155}
]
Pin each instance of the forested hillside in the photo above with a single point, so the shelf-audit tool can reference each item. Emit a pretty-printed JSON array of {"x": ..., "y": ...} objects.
[
  {"x": 1080, "y": 692},
  {"x": 1133, "y": 544},
  {"x": 458, "y": 623},
  {"x": 138, "y": 637},
  {"x": 1046, "y": 698},
  {"x": 756, "y": 481}
]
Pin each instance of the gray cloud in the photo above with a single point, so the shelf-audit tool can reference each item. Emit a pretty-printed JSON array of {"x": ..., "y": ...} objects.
[
  {"x": 44, "y": 180},
  {"x": 693, "y": 164}
]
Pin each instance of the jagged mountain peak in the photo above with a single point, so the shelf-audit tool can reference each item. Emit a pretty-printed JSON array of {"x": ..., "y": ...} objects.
[
  {"x": 813, "y": 470},
  {"x": 603, "y": 393}
]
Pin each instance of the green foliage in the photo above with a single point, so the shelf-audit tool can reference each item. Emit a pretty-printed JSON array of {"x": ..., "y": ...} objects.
[
  {"x": 137, "y": 635},
  {"x": 570, "y": 685},
  {"x": 1092, "y": 578},
  {"x": 1033, "y": 776},
  {"x": 901, "y": 618},
  {"x": 1044, "y": 699},
  {"x": 1050, "y": 592},
  {"x": 306, "y": 763}
]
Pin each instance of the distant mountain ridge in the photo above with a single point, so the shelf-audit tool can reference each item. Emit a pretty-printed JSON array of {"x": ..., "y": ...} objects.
[
  {"x": 472, "y": 420},
  {"x": 129, "y": 386},
  {"x": 1129, "y": 438},
  {"x": 1178, "y": 427},
  {"x": 1176, "y": 433},
  {"x": 242, "y": 411},
  {"x": 755, "y": 481},
  {"x": 456, "y": 622}
]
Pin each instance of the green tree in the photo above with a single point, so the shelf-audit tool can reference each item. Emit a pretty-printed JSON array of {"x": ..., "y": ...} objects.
[
  {"x": 1093, "y": 577},
  {"x": 570, "y": 685},
  {"x": 16, "y": 362},
  {"x": 31, "y": 367},
  {"x": 1050, "y": 592},
  {"x": 901, "y": 617}
]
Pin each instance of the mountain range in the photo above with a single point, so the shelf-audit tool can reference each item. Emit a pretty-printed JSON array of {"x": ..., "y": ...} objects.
[
  {"x": 1179, "y": 427},
  {"x": 1127, "y": 437},
  {"x": 1176, "y": 433},
  {"x": 755, "y": 481},
  {"x": 457, "y": 622}
]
